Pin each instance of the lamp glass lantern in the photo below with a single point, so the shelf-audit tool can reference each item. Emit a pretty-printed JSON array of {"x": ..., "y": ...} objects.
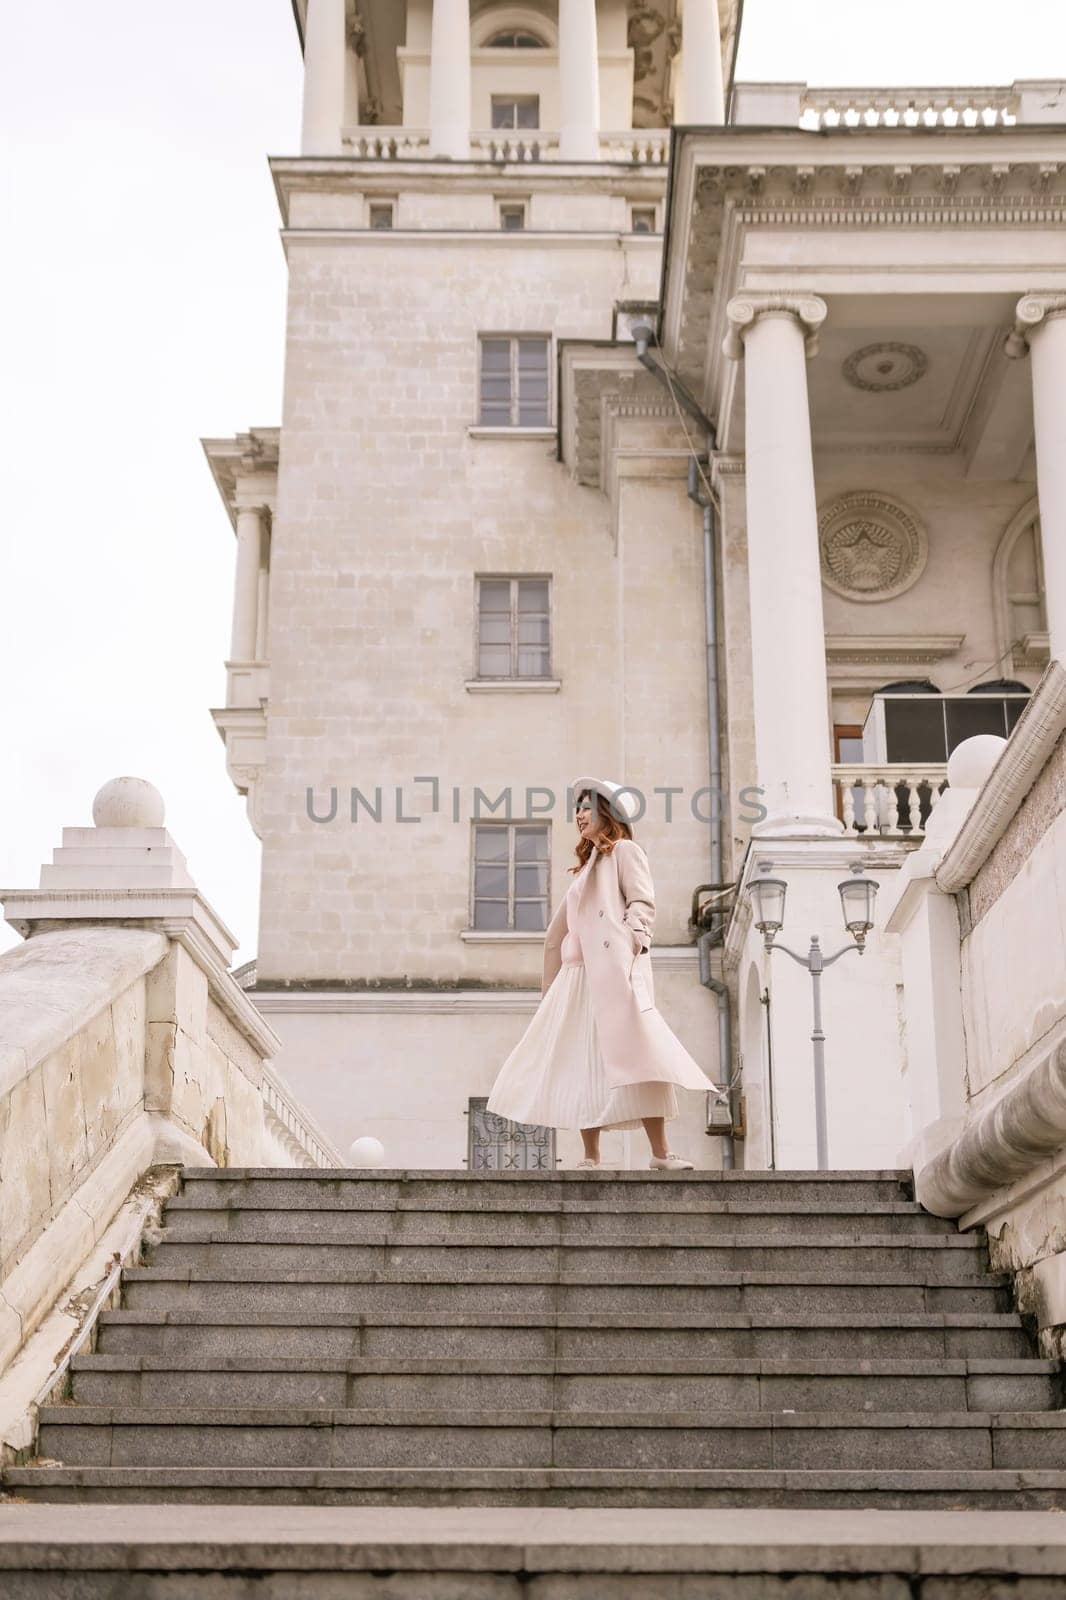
[
  {"x": 768, "y": 902},
  {"x": 858, "y": 895}
]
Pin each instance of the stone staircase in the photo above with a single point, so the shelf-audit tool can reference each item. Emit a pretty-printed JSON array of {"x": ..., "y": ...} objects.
[{"x": 577, "y": 1339}]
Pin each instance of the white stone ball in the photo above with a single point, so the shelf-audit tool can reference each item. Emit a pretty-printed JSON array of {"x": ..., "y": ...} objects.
[
  {"x": 971, "y": 761},
  {"x": 128, "y": 803},
  {"x": 367, "y": 1152}
]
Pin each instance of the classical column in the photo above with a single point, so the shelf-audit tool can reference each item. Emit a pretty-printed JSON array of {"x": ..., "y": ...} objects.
[
  {"x": 579, "y": 81},
  {"x": 449, "y": 80},
  {"x": 1041, "y": 327},
  {"x": 246, "y": 582},
  {"x": 774, "y": 333},
  {"x": 702, "y": 87},
  {"x": 325, "y": 72}
]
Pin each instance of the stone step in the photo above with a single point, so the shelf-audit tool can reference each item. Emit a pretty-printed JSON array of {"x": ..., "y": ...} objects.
[
  {"x": 617, "y": 1260},
  {"x": 441, "y": 1189},
  {"x": 189, "y": 1217},
  {"x": 282, "y": 1436},
  {"x": 254, "y": 1291},
  {"x": 633, "y": 1488},
  {"x": 646, "y": 1338},
  {"x": 568, "y": 1384}
]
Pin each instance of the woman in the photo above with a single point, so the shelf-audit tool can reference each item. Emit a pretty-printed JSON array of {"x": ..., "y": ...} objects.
[{"x": 597, "y": 1054}]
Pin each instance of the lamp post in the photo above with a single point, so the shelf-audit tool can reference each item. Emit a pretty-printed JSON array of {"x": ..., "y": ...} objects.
[{"x": 857, "y": 896}]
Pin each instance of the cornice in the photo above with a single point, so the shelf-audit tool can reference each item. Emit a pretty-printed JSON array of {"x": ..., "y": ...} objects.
[
  {"x": 427, "y": 175},
  {"x": 599, "y": 387},
  {"x": 1035, "y": 735},
  {"x": 888, "y": 647},
  {"x": 741, "y": 178},
  {"x": 249, "y": 458}
]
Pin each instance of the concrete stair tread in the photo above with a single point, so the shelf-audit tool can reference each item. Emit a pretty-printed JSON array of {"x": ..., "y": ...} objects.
[
  {"x": 195, "y": 1316},
  {"x": 408, "y": 1175},
  {"x": 631, "y": 1243},
  {"x": 389, "y": 1479},
  {"x": 946, "y": 1366},
  {"x": 342, "y": 1416},
  {"x": 565, "y": 1206},
  {"x": 621, "y": 1544},
  {"x": 165, "y": 1274}
]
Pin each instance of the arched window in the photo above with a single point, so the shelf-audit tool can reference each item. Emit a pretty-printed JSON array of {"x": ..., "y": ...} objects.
[
  {"x": 515, "y": 39},
  {"x": 1018, "y": 592}
]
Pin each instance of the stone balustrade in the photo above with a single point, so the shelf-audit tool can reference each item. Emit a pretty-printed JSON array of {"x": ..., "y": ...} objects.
[
  {"x": 636, "y": 147},
  {"x": 979, "y": 912},
  {"x": 290, "y": 1126},
  {"x": 788, "y": 105},
  {"x": 127, "y": 1049},
  {"x": 890, "y": 108},
  {"x": 893, "y": 799}
]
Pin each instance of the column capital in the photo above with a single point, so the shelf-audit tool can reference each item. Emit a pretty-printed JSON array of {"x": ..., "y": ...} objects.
[
  {"x": 255, "y": 508},
  {"x": 1031, "y": 312},
  {"x": 744, "y": 310}
]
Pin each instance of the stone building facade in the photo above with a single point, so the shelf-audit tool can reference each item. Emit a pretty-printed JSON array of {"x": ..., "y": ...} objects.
[{"x": 636, "y": 422}]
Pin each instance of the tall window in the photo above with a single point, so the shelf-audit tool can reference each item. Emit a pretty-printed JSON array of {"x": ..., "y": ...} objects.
[
  {"x": 516, "y": 111},
  {"x": 510, "y": 889},
  {"x": 514, "y": 384},
  {"x": 513, "y": 628}
]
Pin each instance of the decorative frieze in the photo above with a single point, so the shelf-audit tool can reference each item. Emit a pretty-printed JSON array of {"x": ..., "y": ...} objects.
[{"x": 965, "y": 187}]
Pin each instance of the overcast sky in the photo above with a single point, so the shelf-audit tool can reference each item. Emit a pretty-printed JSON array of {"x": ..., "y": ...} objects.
[{"x": 143, "y": 308}]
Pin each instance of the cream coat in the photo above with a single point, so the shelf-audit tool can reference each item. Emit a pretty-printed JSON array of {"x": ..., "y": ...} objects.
[{"x": 614, "y": 921}]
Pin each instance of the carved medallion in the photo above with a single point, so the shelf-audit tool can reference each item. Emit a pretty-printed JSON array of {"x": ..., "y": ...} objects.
[
  {"x": 889, "y": 365},
  {"x": 871, "y": 547}
]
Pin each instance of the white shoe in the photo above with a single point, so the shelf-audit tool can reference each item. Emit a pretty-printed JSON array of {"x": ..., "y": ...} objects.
[
  {"x": 670, "y": 1163},
  {"x": 586, "y": 1164}
]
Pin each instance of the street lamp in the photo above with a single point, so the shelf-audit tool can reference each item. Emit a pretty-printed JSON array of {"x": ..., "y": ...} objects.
[{"x": 857, "y": 896}]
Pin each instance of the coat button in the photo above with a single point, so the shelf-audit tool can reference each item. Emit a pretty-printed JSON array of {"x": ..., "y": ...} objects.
[
  {"x": 606, "y": 942},
  {"x": 601, "y": 913}
]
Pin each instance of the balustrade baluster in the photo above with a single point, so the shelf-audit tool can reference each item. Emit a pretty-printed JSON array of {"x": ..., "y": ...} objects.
[
  {"x": 891, "y": 808},
  {"x": 914, "y": 805},
  {"x": 847, "y": 806}
]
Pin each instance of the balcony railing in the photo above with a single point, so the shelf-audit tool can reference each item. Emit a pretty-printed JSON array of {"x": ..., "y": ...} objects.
[
  {"x": 891, "y": 799},
  {"x": 646, "y": 147},
  {"x": 890, "y": 108}
]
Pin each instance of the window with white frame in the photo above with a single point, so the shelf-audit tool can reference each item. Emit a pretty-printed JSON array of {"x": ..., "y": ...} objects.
[
  {"x": 514, "y": 627},
  {"x": 642, "y": 219},
  {"x": 510, "y": 877},
  {"x": 516, "y": 111},
  {"x": 382, "y": 215},
  {"x": 514, "y": 381}
]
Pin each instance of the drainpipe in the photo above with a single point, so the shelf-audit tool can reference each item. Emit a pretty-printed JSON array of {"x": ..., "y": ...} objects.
[{"x": 713, "y": 935}]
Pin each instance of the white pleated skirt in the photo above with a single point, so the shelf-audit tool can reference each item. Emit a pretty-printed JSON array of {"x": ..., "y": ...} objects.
[{"x": 555, "y": 1076}]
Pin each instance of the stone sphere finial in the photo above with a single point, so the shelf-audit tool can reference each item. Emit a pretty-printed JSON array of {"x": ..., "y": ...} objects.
[
  {"x": 128, "y": 803},
  {"x": 367, "y": 1152},
  {"x": 971, "y": 761}
]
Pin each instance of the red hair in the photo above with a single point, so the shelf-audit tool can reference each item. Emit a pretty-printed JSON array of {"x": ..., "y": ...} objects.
[{"x": 610, "y": 830}]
